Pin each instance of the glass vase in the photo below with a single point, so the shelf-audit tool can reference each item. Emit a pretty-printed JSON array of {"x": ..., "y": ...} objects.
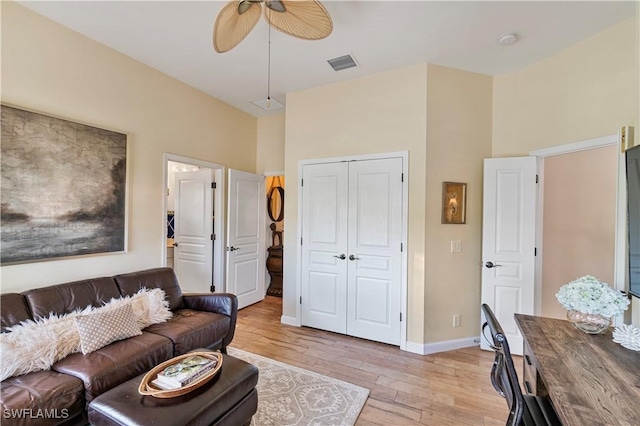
[{"x": 589, "y": 323}]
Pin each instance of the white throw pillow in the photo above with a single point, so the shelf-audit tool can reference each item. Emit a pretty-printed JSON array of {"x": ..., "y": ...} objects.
[{"x": 99, "y": 329}]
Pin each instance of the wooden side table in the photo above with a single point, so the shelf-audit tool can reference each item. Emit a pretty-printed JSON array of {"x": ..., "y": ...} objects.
[{"x": 274, "y": 266}]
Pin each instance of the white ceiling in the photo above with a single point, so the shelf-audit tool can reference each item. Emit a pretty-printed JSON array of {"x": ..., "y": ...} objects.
[{"x": 175, "y": 38}]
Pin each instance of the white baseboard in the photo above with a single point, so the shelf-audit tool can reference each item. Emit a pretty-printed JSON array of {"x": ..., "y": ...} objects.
[
  {"x": 449, "y": 345},
  {"x": 289, "y": 321}
]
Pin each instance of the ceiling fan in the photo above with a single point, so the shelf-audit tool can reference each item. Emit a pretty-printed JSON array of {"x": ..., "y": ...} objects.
[{"x": 306, "y": 19}]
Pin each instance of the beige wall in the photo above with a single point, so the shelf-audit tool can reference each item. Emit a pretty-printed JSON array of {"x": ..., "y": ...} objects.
[
  {"x": 578, "y": 232},
  {"x": 443, "y": 118},
  {"x": 270, "y": 144},
  {"x": 379, "y": 113},
  {"x": 458, "y": 139},
  {"x": 50, "y": 69},
  {"x": 586, "y": 91}
]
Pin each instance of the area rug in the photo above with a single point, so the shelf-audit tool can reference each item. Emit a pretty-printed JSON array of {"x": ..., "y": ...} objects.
[{"x": 289, "y": 395}]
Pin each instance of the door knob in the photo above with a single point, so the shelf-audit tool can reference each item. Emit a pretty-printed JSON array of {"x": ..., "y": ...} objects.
[
  {"x": 175, "y": 244},
  {"x": 232, "y": 248},
  {"x": 352, "y": 257},
  {"x": 342, "y": 256},
  {"x": 492, "y": 265}
]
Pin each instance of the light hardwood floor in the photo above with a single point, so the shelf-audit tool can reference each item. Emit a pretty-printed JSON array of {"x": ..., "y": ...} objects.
[{"x": 448, "y": 388}]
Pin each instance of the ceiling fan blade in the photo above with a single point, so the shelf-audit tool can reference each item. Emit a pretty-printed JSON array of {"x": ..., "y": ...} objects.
[
  {"x": 232, "y": 26},
  {"x": 306, "y": 19}
]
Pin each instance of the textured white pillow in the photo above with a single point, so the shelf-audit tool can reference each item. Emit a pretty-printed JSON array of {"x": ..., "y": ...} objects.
[{"x": 99, "y": 329}]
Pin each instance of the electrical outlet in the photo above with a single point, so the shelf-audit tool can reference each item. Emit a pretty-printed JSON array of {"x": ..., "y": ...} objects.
[{"x": 456, "y": 320}]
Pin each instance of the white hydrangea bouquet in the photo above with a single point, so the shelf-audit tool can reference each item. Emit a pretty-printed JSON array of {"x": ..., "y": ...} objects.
[{"x": 592, "y": 296}]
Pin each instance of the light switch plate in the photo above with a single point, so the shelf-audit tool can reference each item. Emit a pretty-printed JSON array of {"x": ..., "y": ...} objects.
[{"x": 456, "y": 246}]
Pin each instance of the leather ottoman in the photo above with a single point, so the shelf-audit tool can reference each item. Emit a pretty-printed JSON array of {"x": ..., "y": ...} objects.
[{"x": 229, "y": 398}]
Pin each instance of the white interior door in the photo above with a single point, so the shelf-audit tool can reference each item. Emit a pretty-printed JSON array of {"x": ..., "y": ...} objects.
[
  {"x": 193, "y": 246},
  {"x": 374, "y": 254},
  {"x": 246, "y": 237},
  {"x": 508, "y": 242},
  {"x": 324, "y": 246}
]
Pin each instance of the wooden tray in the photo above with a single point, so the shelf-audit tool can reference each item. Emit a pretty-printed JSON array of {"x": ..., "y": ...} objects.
[{"x": 147, "y": 388}]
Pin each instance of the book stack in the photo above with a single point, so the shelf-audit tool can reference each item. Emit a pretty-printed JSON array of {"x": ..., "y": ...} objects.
[{"x": 184, "y": 372}]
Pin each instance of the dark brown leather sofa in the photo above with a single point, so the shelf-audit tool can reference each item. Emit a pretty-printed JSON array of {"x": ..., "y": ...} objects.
[{"x": 61, "y": 396}]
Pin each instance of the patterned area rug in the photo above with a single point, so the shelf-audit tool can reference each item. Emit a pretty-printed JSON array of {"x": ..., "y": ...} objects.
[{"x": 289, "y": 395}]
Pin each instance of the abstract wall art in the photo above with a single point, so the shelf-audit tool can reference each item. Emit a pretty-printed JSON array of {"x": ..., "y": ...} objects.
[{"x": 62, "y": 188}]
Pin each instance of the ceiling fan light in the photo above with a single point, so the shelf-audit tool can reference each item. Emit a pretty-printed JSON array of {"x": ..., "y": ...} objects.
[
  {"x": 276, "y": 6},
  {"x": 243, "y": 6}
]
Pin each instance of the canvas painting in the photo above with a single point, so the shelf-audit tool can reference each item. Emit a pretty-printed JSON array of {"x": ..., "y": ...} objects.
[{"x": 63, "y": 188}]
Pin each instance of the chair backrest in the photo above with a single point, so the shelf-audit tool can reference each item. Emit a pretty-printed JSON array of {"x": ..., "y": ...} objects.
[{"x": 503, "y": 373}]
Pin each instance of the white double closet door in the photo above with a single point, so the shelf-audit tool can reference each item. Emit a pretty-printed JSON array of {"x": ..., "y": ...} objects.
[{"x": 351, "y": 248}]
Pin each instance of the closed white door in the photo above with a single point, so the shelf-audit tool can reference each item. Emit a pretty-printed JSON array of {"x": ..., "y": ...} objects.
[
  {"x": 508, "y": 242},
  {"x": 246, "y": 237},
  {"x": 193, "y": 246},
  {"x": 374, "y": 254},
  {"x": 324, "y": 246},
  {"x": 351, "y": 248}
]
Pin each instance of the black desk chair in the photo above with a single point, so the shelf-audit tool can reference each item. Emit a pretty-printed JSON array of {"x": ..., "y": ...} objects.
[{"x": 524, "y": 410}]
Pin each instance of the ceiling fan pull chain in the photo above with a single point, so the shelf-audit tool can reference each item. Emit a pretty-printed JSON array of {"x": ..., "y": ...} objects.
[{"x": 269, "y": 65}]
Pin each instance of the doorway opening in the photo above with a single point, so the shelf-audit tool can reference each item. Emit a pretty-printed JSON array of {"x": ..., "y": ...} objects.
[
  {"x": 193, "y": 223},
  {"x": 274, "y": 186},
  {"x": 608, "y": 169}
]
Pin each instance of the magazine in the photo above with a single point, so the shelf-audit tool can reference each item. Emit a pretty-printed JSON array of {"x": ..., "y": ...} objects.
[{"x": 184, "y": 372}]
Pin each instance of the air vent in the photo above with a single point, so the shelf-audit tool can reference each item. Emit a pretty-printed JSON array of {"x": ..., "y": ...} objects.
[{"x": 343, "y": 62}]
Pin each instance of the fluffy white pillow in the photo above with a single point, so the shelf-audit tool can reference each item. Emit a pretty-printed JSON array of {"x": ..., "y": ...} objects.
[
  {"x": 99, "y": 329},
  {"x": 37, "y": 345}
]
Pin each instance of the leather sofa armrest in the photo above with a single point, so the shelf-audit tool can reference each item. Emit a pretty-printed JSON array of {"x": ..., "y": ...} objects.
[{"x": 219, "y": 303}]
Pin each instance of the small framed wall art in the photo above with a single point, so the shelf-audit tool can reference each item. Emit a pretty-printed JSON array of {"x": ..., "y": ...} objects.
[{"x": 454, "y": 202}]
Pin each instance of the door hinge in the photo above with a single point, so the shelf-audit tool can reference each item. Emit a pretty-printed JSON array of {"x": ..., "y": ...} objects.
[
  {"x": 301, "y": 300},
  {"x": 213, "y": 237},
  {"x": 536, "y": 178},
  {"x": 301, "y": 182},
  {"x": 400, "y": 316},
  {"x": 213, "y": 185},
  {"x": 213, "y": 288},
  {"x": 402, "y": 177},
  {"x": 535, "y": 251},
  {"x": 401, "y": 247},
  {"x": 300, "y": 240}
]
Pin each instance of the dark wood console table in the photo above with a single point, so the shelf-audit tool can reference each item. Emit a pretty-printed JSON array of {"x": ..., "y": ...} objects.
[{"x": 590, "y": 379}]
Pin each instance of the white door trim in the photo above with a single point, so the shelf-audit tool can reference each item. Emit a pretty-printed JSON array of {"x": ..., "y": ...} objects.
[
  {"x": 620, "y": 261},
  {"x": 219, "y": 204},
  {"x": 405, "y": 216}
]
